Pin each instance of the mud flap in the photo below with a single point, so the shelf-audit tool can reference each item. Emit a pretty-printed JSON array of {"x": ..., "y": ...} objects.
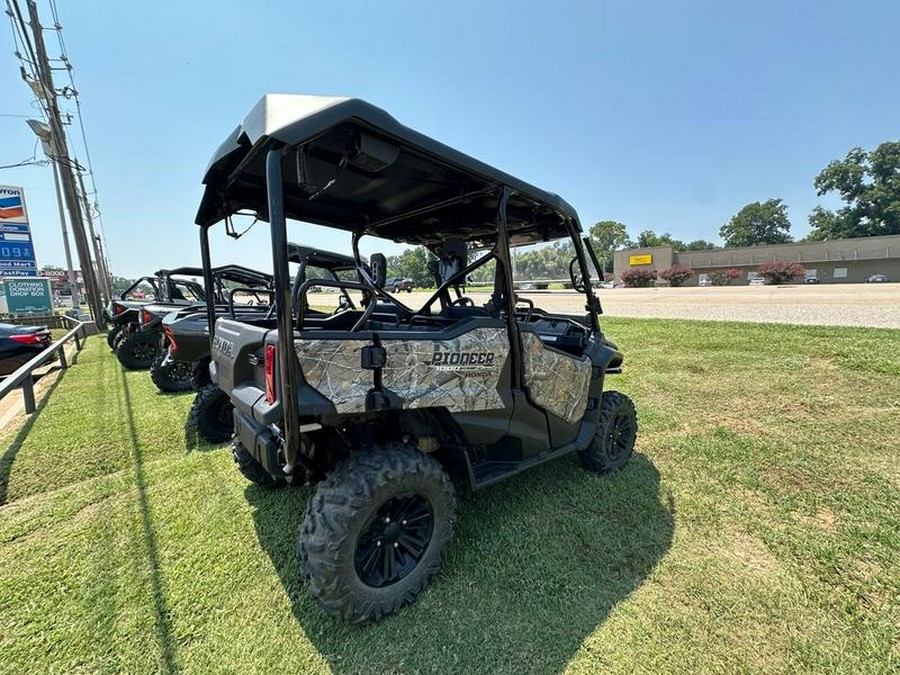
[{"x": 259, "y": 441}]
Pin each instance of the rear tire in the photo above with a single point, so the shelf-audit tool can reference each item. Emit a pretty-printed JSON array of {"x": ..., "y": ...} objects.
[
  {"x": 253, "y": 470},
  {"x": 212, "y": 415},
  {"x": 200, "y": 373},
  {"x": 360, "y": 564},
  {"x": 137, "y": 351},
  {"x": 112, "y": 336},
  {"x": 171, "y": 377},
  {"x": 613, "y": 444}
]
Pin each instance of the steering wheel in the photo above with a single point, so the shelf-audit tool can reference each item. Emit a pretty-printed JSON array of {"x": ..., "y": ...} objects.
[{"x": 463, "y": 301}]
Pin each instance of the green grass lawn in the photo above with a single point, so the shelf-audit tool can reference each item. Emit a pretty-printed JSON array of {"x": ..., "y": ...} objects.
[{"x": 756, "y": 530}]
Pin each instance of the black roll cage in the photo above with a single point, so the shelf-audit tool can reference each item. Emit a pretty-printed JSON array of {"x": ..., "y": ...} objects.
[{"x": 283, "y": 288}]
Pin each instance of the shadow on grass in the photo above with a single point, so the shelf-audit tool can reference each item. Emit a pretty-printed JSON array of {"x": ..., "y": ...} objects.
[
  {"x": 9, "y": 454},
  {"x": 161, "y": 611},
  {"x": 538, "y": 564}
]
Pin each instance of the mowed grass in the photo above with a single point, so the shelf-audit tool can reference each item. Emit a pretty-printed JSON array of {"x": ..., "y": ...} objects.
[{"x": 756, "y": 530}]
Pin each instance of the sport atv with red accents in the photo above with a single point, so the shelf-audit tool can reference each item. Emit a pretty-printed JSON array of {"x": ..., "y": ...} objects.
[{"x": 389, "y": 409}]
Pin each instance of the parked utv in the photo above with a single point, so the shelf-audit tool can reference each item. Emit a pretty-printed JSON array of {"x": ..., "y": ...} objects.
[
  {"x": 188, "y": 339},
  {"x": 385, "y": 407},
  {"x": 123, "y": 313},
  {"x": 254, "y": 289}
]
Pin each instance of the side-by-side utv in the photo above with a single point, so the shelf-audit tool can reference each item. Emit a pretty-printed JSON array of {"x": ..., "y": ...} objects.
[
  {"x": 188, "y": 338},
  {"x": 123, "y": 312},
  {"x": 386, "y": 407},
  {"x": 172, "y": 374}
]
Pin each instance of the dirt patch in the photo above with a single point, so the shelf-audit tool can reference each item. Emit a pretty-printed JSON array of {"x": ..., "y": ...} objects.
[{"x": 751, "y": 554}]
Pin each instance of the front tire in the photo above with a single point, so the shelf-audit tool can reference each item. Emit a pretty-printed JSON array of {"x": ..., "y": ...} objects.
[
  {"x": 137, "y": 351},
  {"x": 171, "y": 377},
  {"x": 613, "y": 444},
  {"x": 212, "y": 415},
  {"x": 375, "y": 532}
]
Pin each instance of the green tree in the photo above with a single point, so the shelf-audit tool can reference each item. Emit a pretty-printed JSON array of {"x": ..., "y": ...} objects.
[
  {"x": 411, "y": 264},
  {"x": 120, "y": 284},
  {"x": 700, "y": 245},
  {"x": 758, "y": 223},
  {"x": 649, "y": 238},
  {"x": 608, "y": 236},
  {"x": 869, "y": 184}
]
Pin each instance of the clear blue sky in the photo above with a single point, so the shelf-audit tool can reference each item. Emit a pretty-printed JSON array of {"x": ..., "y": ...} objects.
[{"x": 661, "y": 116}]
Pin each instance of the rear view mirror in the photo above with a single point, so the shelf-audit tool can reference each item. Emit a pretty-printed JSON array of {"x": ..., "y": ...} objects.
[
  {"x": 575, "y": 275},
  {"x": 379, "y": 269}
]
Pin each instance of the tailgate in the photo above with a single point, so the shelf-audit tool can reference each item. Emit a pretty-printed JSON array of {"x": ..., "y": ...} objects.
[{"x": 238, "y": 356}]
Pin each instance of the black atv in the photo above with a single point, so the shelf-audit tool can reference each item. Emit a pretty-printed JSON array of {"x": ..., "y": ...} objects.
[
  {"x": 188, "y": 338},
  {"x": 386, "y": 407},
  {"x": 173, "y": 375},
  {"x": 123, "y": 313},
  {"x": 136, "y": 348}
]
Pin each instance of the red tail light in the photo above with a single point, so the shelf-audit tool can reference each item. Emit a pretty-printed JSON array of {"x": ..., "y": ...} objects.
[
  {"x": 30, "y": 338},
  {"x": 270, "y": 374},
  {"x": 173, "y": 346},
  {"x": 147, "y": 317},
  {"x": 117, "y": 308}
]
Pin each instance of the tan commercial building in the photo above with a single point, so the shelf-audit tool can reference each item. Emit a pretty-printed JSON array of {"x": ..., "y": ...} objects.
[{"x": 836, "y": 261}]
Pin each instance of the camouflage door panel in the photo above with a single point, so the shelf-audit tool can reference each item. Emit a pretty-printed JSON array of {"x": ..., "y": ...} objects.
[
  {"x": 461, "y": 374},
  {"x": 556, "y": 381},
  {"x": 333, "y": 368}
]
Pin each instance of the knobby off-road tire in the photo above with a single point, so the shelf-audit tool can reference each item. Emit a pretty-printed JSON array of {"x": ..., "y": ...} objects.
[
  {"x": 200, "y": 374},
  {"x": 253, "y": 470},
  {"x": 613, "y": 443},
  {"x": 212, "y": 416},
  {"x": 112, "y": 336},
  {"x": 138, "y": 351},
  {"x": 348, "y": 572},
  {"x": 171, "y": 377}
]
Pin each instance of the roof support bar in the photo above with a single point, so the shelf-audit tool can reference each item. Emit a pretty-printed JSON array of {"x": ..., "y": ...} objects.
[
  {"x": 286, "y": 357},
  {"x": 208, "y": 284}
]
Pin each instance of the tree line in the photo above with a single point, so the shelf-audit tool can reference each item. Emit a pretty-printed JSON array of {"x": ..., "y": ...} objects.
[{"x": 868, "y": 183}]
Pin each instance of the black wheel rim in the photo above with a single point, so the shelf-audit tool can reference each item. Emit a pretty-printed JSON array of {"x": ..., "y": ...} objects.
[
  {"x": 180, "y": 371},
  {"x": 393, "y": 542},
  {"x": 620, "y": 438},
  {"x": 143, "y": 351}
]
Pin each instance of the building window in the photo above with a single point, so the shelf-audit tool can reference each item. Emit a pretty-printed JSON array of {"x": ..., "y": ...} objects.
[{"x": 840, "y": 272}]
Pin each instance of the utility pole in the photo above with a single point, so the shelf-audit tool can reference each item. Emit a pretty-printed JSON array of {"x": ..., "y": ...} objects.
[
  {"x": 73, "y": 279},
  {"x": 101, "y": 266},
  {"x": 64, "y": 163}
]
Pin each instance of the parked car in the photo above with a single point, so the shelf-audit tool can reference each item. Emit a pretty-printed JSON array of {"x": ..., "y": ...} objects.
[
  {"x": 878, "y": 279},
  {"x": 705, "y": 281},
  {"x": 811, "y": 280},
  {"x": 397, "y": 284},
  {"x": 20, "y": 344},
  {"x": 758, "y": 281}
]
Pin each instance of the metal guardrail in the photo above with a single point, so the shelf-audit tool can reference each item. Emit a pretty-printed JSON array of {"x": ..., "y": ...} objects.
[{"x": 23, "y": 376}]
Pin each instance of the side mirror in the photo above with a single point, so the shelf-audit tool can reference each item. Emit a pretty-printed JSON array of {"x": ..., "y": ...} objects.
[
  {"x": 575, "y": 275},
  {"x": 379, "y": 269}
]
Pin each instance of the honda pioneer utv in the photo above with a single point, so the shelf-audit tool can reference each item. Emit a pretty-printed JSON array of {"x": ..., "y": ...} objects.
[
  {"x": 385, "y": 407},
  {"x": 188, "y": 338}
]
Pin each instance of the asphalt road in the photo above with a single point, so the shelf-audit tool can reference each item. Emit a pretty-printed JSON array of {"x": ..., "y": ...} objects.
[{"x": 873, "y": 305}]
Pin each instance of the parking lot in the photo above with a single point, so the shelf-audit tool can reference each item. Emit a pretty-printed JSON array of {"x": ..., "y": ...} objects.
[{"x": 876, "y": 306}]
